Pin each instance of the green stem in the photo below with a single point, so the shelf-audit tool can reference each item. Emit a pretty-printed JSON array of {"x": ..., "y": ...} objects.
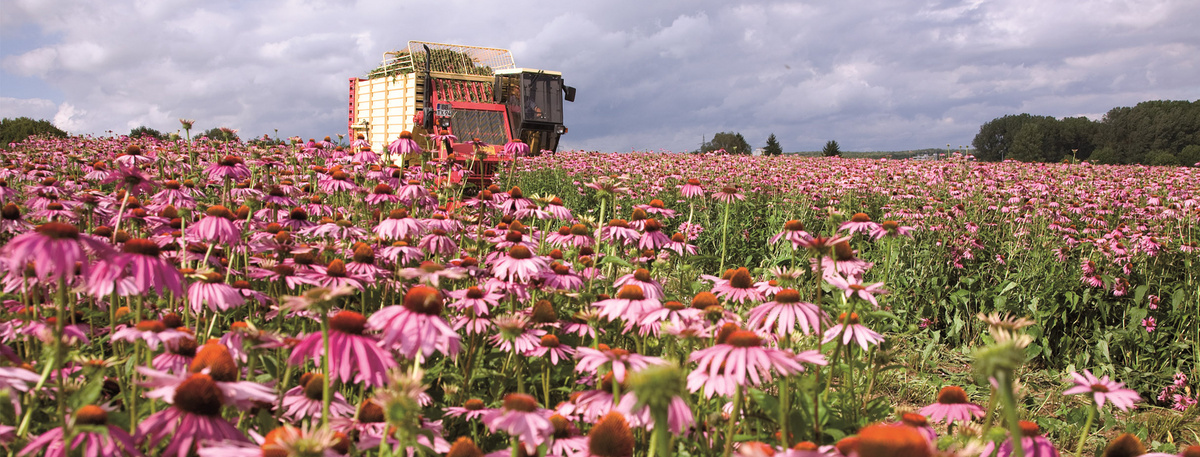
[
  {"x": 326, "y": 391},
  {"x": 662, "y": 433},
  {"x": 724, "y": 237},
  {"x": 1087, "y": 427},
  {"x": 733, "y": 420},
  {"x": 1010, "y": 412},
  {"x": 785, "y": 407}
]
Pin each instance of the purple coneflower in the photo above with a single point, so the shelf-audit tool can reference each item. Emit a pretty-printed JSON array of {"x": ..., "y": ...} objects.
[
  {"x": 630, "y": 304},
  {"x": 54, "y": 248},
  {"x": 475, "y": 298},
  {"x": 230, "y": 167},
  {"x": 146, "y": 269},
  {"x": 335, "y": 276},
  {"x": 304, "y": 401},
  {"x": 214, "y": 293},
  {"x": 793, "y": 232},
  {"x": 438, "y": 243},
  {"x": 891, "y": 229},
  {"x": 952, "y": 406},
  {"x": 552, "y": 349},
  {"x": 853, "y": 332},
  {"x": 1032, "y": 443},
  {"x": 618, "y": 231},
  {"x": 743, "y": 358},
  {"x": 739, "y": 288},
  {"x": 113, "y": 441},
  {"x": 641, "y": 278},
  {"x": 520, "y": 265},
  {"x": 195, "y": 416},
  {"x": 853, "y": 287},
  {"x": 152, "y": 332},
  {"x": 620, "y": 361},
  {"x": 728, "y": 195},
  {"x": 786, "y": 313},
  {"x": 1102, "y": 390},
  {"x": 216, "y": 227},
  {"x": 354, "y": 357},
  {"x": 653, "y": 238},
  {"x": 691, "y": 189},
  {"x": 521, "y": 417},
  {"x": 859, "y": 222},
  {"x": 416, "y": 327}
]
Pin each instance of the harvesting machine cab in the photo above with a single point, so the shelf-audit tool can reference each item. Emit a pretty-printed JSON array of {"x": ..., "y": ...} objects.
[{"x": 475, "y": 94}]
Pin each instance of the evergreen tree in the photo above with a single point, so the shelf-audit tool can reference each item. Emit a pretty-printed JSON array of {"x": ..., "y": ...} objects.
[
  {"x": 773, "y": 148},
  {"x": 832, "y": 149}
]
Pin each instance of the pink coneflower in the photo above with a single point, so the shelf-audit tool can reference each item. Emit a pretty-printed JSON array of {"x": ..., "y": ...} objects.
[
  {"x": 354, "y": 357},
  {"x": 216, "y": 227},
  {"x": 54, "y": 248},
  {"x": 843, "y": 261},
  {"x": 399, "y": 226},
  {"x": 629, "y": 305},
  {"x": 552, "y": 349},
  {"x": 739, "y": 288},
  {"x": 577, "y": 236},
  {"x": 297, "y": 219},
  {"x": 146, "y": 269},
  {"x": 561, "y": 277},
  {"x": 853, "y": 332},
  {"x": 404, "y": 144},
  {"x": 177, "y": 357},
  {"x": 230, "y": 167},
  {"x": 657, "y": 207},
  {"x": 679, "y": 414},
  {"x": 152, "y": 332},
  {"x": 362, "y": 263},
  {"x": 743, "y": 358},
  {"x": 557, "y": 210},
  {"x": 438, "y": 243},
  {"x": 653, "y": 238},
  {"x": 478, "y": 299},
  {"x": 195, "y": 416},
  {"x": 1032, "y": 443},
  {"x": 691, "y": 189},
  {"x": 611, "y": 437},
  {"x": 882, "y": 440},
  {"x": 416, "y": 327},
  {"x": 10, "y": 220},
  {"x": 515, "y": 334},
  {"x": 859, "y": 222},
  {"x": 679, "y": 244},
  {"x": 1102, "y": 390},
  {"x": 951, "y": 406},
  {"x": 728, "y": 195},
  {"x": 521, "y": 417},
  {"x": 335, "y": 276},
  {"x": 470, "y": 410},
  {"x": 432, "y": 273},
  {"x": 338, "y": 181},
  {"x": 793, "y": 232},
  {"x": 891, "y": 229},
  {"x": 618, "y": 231},
  {"x": 520, "y": 265},
  {"x": 619, "y": 361},
  {"x": 786, "y": 313},
  {"x": 213, "y": 293},
  {"x": 853, "y": 287},
  {"x": 113, "y": 441},
  {"x": 672, "y": 313},
  {"x": 641, "y": 278},
  {"x": 304, "y": 401}
]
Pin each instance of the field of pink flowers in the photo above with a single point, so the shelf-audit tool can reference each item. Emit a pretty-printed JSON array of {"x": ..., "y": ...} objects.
[{"x": 222, "y": 299}]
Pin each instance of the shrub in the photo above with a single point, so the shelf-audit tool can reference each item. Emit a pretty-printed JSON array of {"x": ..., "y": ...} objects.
[{"x": 21, "y": 128}]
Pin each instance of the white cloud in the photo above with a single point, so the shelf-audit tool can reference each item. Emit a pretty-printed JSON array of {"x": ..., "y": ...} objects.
[
  {"x": 34, "y": 108},
  {"x": 874, "y": 74}
]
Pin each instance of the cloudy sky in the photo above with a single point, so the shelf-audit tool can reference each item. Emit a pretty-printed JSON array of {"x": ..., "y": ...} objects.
[{"x": 651, "y": 75}]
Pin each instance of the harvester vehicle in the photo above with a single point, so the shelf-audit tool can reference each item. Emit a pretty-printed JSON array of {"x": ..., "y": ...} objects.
[{"x": 475, "y": 94}]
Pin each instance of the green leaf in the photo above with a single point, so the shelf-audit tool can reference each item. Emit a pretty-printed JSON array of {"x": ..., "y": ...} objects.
[{"x": 89, "y": 393}]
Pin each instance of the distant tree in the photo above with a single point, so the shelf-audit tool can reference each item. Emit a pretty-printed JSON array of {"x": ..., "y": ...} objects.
[
  {"x": 731, "y": 142},
  {"x": 832, "y": 149},
  {"x": 142, "y": 131},
  {"x": 1106, "y": 156},
  {"x": 1152, "y": 125},
  {"x": 1029, "y": 144},
  {"x": 1162, "y": 157},
  {"x": 21, "y": 128},
  {"x": 773, "y": 148},
  {"x": 1190, "y": 156},
  {"x": 221, "y": 134}
]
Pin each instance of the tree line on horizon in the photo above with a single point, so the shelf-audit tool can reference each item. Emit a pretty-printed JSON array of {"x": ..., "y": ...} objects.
[{"x": 1159, "y": 132}]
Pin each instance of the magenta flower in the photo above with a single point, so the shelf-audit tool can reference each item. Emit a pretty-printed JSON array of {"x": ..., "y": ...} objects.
[
  {"x": 354, "y": 357},
  {"x": 744, "y": 360},
  {"x": 304, "y": 401},
  {"x": 475, "y": 298},
  {"x": 54, "y": 248},
  {"x": 552, "y": 349},
  {"x": 891, "y": 229},
  {"x": 952, "y": 406},
  {"x": 520, "y": 265},
  {"x": 230, "y": 167},
  {"x": 691, "y": 189},
  {"x": 739, "y": 288},
  {"x": 139, "y": 259},
  {"x": 1103, "y": 390},
  {"x": 216, "y": 227},
  {"x": 195, "y": 416},
  {"x": 853, "y": 287},
  {"x": 152, "y": 332},
  {"x": 521, "y": 417},
  {"x": 417, "y": 326},
  {"x": 859, "y": 222},
  {"x": 728, "y": 195},
  {"x": 90, "y": 442},
  {"x": 853, "y": 332},
  {"x": 619, "y": 361},
  {"x": 786, "y": 313},
  {"x": 334, "y": 276},
  {"x": 629, "y": 305},
  {"x": 399, "y": 226},
  {"x": 404, "y": 144},
  {"x": 213, "y": 293},
  {"x": 679, "y": 414},
  {"x": 1032, "y": 443},
  {"x": 653, "y": 238},
  {"x": 793, "y": 232}
]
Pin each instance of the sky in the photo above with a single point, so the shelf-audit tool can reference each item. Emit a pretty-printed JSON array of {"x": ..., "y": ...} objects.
[{"x": 874, "y": 75}]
